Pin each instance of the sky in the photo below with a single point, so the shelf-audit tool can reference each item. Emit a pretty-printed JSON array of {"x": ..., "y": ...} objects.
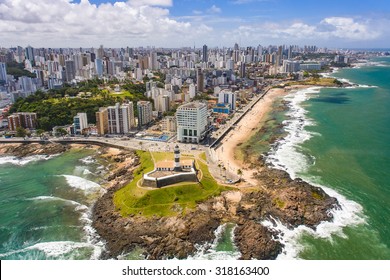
[{"x": 189, "y": 23}]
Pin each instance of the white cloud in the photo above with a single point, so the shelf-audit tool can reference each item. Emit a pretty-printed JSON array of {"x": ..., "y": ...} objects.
[
  {"x": 64, "y": 23},
  {"x": 348, "y": 28},
  {"x": 328, "y": 30},
  {"x": 214, "y": 10}
]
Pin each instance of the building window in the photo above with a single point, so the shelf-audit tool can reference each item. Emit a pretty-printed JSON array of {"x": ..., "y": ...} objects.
[{"x": 185, "y": 132}]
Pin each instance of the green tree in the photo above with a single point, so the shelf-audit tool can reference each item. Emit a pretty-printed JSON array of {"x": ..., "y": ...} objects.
[
  {"x": 21, "y": 132},
  {"x": 61, "y": 132}
]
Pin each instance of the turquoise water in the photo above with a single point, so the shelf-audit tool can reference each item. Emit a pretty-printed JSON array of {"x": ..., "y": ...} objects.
[
  {"x": 46, "y": 204},
  {"x": 340, "y": 139}
]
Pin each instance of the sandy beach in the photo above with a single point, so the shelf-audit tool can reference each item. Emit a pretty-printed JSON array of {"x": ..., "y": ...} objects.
[{"x": 248, "y": 125}]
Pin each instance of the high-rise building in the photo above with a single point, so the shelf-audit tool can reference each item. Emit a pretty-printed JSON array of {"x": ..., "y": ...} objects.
[
  {"x": 80, "y": 123},
  {"x": 205, "y": 54},
  {"x": 168, "y": 124},
  {"x": 242, "y": 70},
  {"x": 3, "y": 73},
  {"x": 192, "y": 90},
  {"x": 102, "y": 121},
  {"x": 199, "y": 80},
  {"x": 153, "y": 62},
  {"x": 164, "y": 103},
  {"x": 70, "y": 70},
  {"x": 145, "y": 112},
  {"x": 291, "y": 66},
  {"x": 120, "y": 118},
  {"x": 25, "y": 120},
  {"x": 29, "y": 52},
  {"x": 227, "y": 97},
  {"x": 191, "y": 122},
  {"x": 27, "y": 85},
  {"x": 99, "y": 67}
]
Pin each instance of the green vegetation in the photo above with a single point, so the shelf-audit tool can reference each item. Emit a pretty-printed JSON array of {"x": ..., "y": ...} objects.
[
  {"x": 168, "y": 201},
  {"x": 317, "y": 195},
  {"x": 21, "y": 132},
  {"x": 58, "y": 107},
  {"x": 279, "y": 203},
  {"x": 317, "y": 81},
  {"x": 17, "y": 70}
]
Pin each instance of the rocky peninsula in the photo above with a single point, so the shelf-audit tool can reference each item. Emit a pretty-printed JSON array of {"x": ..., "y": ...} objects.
[
  {"x": 293, "y": 202},
  {"x": 274, "y": 196}
]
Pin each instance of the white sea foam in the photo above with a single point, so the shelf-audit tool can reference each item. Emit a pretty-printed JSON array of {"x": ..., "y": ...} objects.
[
  {"x": 209, "y": 251},
  {"x": 24, "y": 160},
  {"x": 82, "y": 184},
  {"x": 350, "y": 214},
  {"x": 286, "y": 154},
  {"x": 91, "y": 236},
  {"x": 56, "y": 249},
  {"x": 88, "y": 160},
  {"x": 54, "y": 198},
  {"x": 289, "y": 156},
  {"x": 87, "y": 172}
]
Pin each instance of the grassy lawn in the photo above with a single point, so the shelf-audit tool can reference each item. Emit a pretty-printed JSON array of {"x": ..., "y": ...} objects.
[
  {"x": 316, "y": 82},
  {"x": 123, "y": 94},
  {"x": 167, "y": 201}
]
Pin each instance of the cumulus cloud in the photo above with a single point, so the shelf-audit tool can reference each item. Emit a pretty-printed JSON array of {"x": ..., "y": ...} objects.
[
  {"x": 62, "y": 22},
  {"x": 340, "y": 29},
  {"x": 344, "y": 27}
]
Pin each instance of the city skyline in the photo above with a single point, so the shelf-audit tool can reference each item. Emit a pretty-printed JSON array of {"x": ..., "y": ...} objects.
[{"x": 173, "y": 23}]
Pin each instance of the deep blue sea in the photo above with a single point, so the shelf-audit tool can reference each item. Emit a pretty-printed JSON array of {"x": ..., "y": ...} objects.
[{"x": 339, "y": 139}]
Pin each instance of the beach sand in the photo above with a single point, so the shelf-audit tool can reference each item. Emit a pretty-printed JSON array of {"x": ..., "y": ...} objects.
[{"x": 245, "y": 129}]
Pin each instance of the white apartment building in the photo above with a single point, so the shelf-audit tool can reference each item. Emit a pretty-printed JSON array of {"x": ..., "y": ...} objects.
[
  {"x": 80, "y": 122},
  {"x": 227, "y": 97},
  {"x": 120, "y": 118},
  {"x": 191, "y": 122}
]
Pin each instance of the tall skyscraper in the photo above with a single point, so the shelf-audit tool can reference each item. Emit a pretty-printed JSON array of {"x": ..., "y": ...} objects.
[
  {"x": 99, "y": 67},
  {"x": 145, "y": 112},
  {"x": 242, "y": 70},
  {"x": 29, "y": 52},
  {"x": 70, "y": 70},
  {"x": 205, "y": 54},
  {"x": 3, "y": 73},
  {"x": 199, "y": 80},
  {"x": 153, "y": 62}
]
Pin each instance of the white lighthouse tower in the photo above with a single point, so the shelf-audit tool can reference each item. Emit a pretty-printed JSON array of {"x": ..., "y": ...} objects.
[{"x": 177, "y": 158}]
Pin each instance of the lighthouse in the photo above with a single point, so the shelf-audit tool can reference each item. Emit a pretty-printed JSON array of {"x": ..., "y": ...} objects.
[{"x": 177, "y": 159}]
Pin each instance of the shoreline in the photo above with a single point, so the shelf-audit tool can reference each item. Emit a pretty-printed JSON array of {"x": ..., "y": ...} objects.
[
  {"x": 292, "y": 202},
  {"x": 248, "y": 126}
]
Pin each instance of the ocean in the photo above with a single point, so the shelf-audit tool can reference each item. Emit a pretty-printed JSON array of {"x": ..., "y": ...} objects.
[
  {"x": 335, "y": 138},
  {"x": 46, "y": 206},
  {"x": 339, "y": 139}
]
